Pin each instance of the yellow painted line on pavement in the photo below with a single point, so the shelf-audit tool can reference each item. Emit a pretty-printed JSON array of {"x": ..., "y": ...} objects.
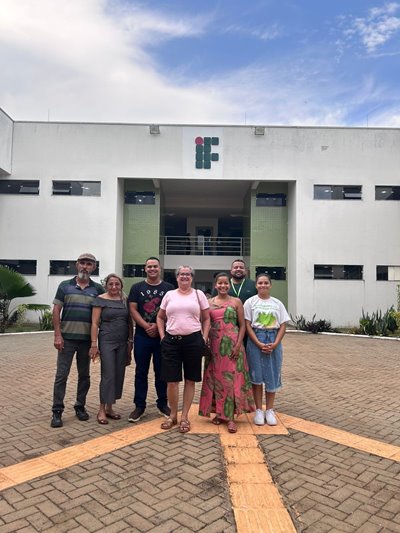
[
  {"x": 67, "y": 457},
  {"x": 256, "y": 502},
  {"x": 247, "y": 434},
  {"x": 245, "y": 426},
  {"x": 351, "y": 440}
]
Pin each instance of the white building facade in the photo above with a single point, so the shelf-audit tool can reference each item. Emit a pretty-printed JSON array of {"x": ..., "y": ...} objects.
[{"x": 317, "y": 208}]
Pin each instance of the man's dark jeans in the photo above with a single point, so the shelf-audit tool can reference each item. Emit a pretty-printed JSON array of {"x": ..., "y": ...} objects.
[
  {"x": 144, "y": 348},
  {"x": 64, "y": 362}
]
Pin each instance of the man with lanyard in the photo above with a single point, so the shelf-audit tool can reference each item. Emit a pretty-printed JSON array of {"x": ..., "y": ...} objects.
[
  {"x": 144, "y": 303},
  {"x": 72, "y": 319},
  {"x": 240, "y": 286}
]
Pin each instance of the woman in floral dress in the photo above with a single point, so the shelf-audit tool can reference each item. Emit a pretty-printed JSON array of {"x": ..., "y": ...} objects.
[{"x": 226, "y": 389}]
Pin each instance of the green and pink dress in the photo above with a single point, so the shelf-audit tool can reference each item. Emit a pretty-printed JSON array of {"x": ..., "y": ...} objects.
[{"x": 226, "y": 389}]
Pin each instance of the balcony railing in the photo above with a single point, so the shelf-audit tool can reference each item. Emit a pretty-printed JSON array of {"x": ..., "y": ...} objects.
[{"x": 201, "y": 245}]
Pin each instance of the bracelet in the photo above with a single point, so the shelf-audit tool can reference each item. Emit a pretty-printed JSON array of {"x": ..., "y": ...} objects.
[{"x": 130, "y": 340}]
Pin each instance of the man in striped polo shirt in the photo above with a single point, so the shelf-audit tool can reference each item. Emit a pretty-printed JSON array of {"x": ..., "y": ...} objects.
[{"x": 72, "y": 318}]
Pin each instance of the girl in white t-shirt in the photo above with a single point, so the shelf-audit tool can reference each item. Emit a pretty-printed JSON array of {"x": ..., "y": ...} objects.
[{"x": 266, "y": 319}]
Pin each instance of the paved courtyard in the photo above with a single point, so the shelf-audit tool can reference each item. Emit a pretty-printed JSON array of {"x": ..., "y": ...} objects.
[{"x": 332, "y": 464}]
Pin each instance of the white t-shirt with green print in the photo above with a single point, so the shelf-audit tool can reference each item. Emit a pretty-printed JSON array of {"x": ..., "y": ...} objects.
[{"x": 265, "y": 314}]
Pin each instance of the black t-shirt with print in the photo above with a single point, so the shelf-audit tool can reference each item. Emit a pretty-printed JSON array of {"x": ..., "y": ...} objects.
[{"x": 148, "y": 299}]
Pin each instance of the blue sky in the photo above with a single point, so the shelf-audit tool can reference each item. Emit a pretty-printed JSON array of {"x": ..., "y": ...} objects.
[{"x": 303, "y": 62}]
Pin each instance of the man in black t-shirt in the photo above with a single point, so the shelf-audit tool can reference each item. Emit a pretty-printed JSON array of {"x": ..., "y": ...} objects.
[{"x": 144, "y": 303}]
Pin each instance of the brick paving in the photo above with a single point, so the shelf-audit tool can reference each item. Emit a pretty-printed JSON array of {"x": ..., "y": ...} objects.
[
  {"x": 349, "y": 383},
  {"x": 137, "y": 488},
  {"x": 330, "y": 487},
  {"x": 171, "y": 482}
]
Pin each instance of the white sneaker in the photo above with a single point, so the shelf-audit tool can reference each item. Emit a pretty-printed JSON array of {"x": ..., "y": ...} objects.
[
  {"x": 259, "y": 417},
  {"x": 270, "y": 417}
]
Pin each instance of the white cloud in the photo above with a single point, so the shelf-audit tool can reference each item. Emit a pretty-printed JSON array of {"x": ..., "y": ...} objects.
[
  {"x": 264, "y": 33},
  {"x": 386, "y": 9},
  {"x": 86, "y": 61},
  {"x": 91, "y": 61},
  {"x": 388, "y": 117},
  {"x": 377, "y": 28}
]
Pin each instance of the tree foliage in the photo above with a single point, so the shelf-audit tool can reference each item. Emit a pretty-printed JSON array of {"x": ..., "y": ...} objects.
[{"x": 12, "y": 285}]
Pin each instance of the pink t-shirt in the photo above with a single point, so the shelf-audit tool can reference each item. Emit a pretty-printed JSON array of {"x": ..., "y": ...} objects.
[{"x": 183, "y": 311}]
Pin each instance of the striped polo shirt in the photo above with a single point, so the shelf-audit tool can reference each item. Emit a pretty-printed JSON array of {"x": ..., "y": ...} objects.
[{"x": 76, "y": 316}]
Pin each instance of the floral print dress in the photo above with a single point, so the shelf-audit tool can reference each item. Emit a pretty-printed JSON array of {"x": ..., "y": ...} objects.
[{"x": 226, "y": 389}]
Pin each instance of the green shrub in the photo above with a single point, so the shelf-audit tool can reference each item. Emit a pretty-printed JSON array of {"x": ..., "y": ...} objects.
[
  {"x": 391, "y": 320},
  {"x": 299, "y": 322},
  {"x": 46, "y": 320},
  {"x": 313, "y": 325},
  {"x": 398, "y": 298},
  {"x": 396, "y": 316},
  {"x": 18, "y": 316},
  {"x": 378, "y": 323},
  {"x": 367, "y": 324}
]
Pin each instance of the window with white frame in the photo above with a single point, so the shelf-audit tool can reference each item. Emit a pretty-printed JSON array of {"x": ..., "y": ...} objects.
[
  {"x": 338, "y": 271},
  {"x": 19, "y": 186},
  {"x": 67, "y": 268},
  {"x": 274, "y": 272},
  {"x": 76, "y": 188},
  {"x": 387, "y": 192},
  {"x": 337, "y": 192},
  {"x": 133, "y": 271},
  {"x": 270, "y": 199},
  {"x": 23, "y": 266},
  {"x": 387, "y": 273},
  {"x": 140, "y": 198}
]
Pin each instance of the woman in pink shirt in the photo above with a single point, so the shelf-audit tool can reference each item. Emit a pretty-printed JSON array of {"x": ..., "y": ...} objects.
[{"x": 183, "y": 323}]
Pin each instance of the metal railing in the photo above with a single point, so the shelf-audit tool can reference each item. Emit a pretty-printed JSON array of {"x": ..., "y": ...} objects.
[{"x": 202, "y": 245}]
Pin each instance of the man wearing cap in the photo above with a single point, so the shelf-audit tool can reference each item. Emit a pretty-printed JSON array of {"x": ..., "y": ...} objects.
[{"x": 72, "y": 318}]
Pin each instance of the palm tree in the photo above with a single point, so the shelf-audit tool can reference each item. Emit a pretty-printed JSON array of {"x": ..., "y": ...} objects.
[{"x": 13, "y": 285}]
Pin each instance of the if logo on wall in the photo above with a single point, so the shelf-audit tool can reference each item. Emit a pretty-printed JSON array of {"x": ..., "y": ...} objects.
[{"x": 204, "y": 154}]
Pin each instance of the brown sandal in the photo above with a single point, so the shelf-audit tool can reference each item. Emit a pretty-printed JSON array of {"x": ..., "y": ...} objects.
[
  {"x": 168, "y": 423},
  {"x": 184, "y": 426},
  {"x": 232, "y": 428},
  {"x": 216, "y": 420},
  {"x": 113, "y": 416}
]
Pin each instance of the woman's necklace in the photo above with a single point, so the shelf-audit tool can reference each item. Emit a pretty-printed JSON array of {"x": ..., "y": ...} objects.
[{"x": 237, "y": 293}]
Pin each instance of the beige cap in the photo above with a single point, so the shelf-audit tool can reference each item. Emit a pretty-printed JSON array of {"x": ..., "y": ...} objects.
[{"x": 88, "y": 257}]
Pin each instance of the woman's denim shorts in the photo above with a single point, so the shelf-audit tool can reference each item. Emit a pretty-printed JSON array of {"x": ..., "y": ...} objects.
[{"x": 265, "y": 368}]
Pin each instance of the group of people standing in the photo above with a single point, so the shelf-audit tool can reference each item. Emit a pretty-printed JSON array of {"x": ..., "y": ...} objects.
[{"x": 173, "y": 327}]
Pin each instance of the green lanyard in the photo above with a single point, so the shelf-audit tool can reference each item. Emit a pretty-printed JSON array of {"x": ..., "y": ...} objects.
[{"x": 234, "y": 288}]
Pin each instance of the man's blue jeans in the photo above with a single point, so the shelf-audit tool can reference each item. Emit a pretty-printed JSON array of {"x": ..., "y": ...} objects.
[{"x": 144, "y": 348}]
